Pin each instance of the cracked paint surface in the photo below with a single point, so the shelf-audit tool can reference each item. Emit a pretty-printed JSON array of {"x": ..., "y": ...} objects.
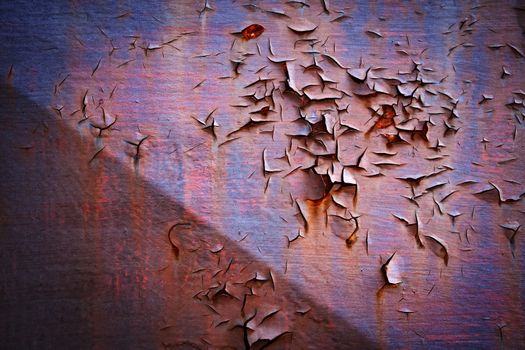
[{"x": 271, "y": 174}]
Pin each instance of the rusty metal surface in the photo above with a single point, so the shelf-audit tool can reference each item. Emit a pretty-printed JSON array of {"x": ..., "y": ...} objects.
[{"x": 223, "y": 234}]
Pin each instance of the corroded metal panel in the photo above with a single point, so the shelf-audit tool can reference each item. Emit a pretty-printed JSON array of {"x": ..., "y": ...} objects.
[{"x": 271, "y": 174}]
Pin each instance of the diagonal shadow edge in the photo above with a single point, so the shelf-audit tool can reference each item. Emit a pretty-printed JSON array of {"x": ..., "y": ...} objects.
[{"x": 19, "y": 110}]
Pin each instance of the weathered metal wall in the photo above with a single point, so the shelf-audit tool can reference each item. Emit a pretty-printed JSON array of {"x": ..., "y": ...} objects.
[{"x": 349, "y": 177}]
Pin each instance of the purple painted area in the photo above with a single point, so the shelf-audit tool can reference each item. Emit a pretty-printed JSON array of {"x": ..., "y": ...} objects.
[{"x": 86, "y": 261}]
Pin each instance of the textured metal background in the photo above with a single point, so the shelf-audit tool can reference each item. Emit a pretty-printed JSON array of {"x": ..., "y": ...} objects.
[{"x": 85, "y": 259}]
